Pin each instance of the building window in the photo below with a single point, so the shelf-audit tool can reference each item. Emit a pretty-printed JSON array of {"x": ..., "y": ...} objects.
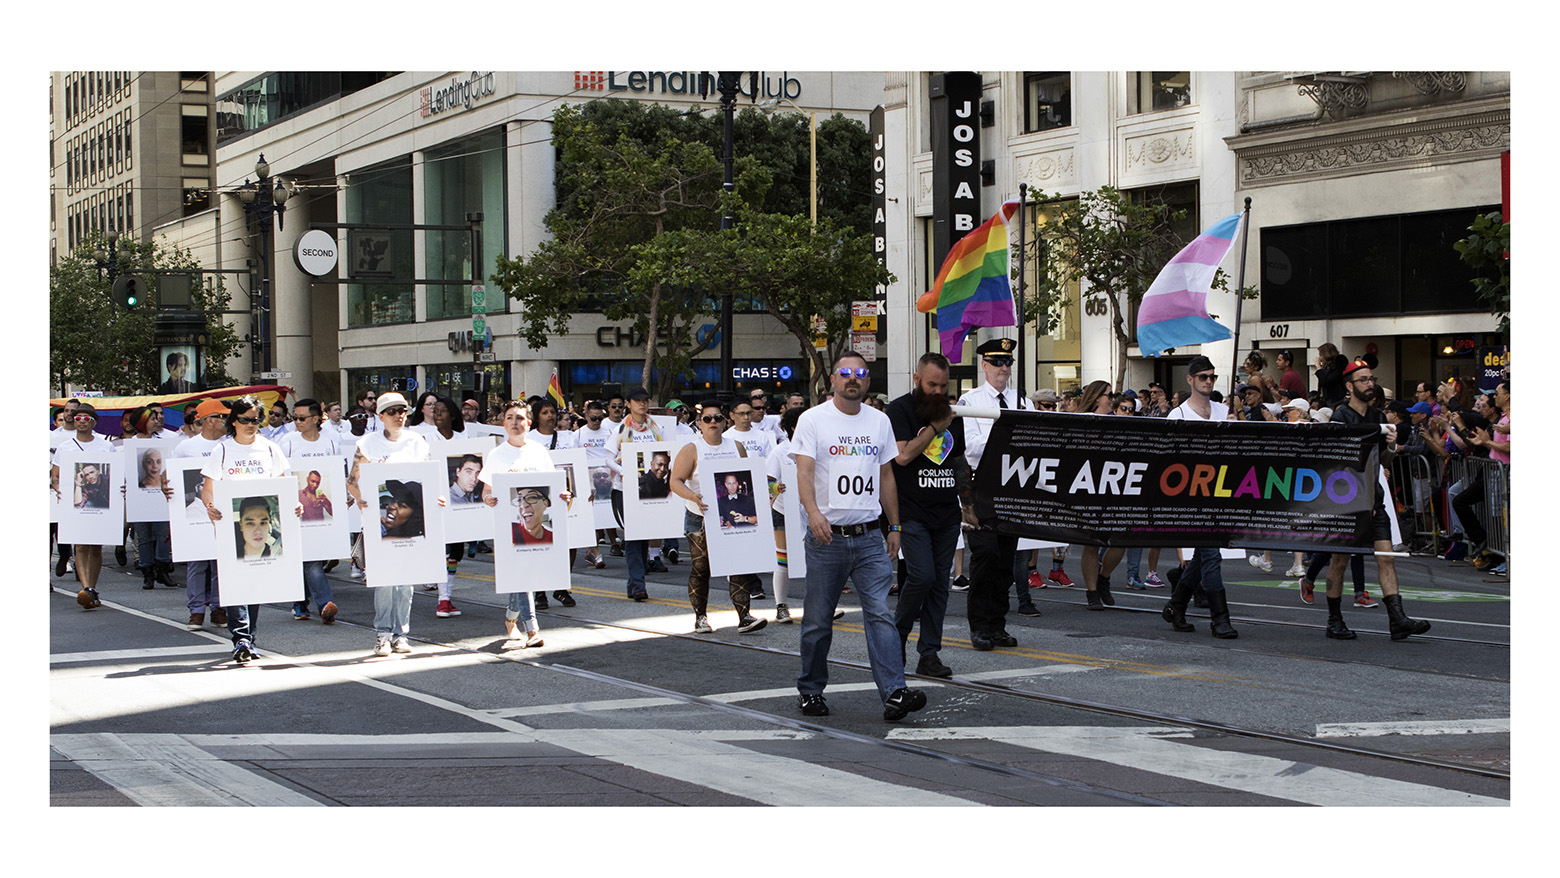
[
  {"x": 461, "y": 178},
  {"x": 194, "y": 129},
  {"x": 382, "y": 379},
  {"x": 1373, "y": 266},
  {"x": 1047, "y": 100},
  {"x": 383, "y": 194},
  {"x": 1158, "y": 90}
]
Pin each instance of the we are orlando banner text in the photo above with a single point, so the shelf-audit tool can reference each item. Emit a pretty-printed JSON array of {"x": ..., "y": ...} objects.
[{"x": 1122, "y": 481}]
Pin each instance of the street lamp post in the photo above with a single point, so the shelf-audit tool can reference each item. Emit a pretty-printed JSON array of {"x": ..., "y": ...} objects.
[
  {"x": 261, "y": 203},
  {"x": 108, "y": 262}
]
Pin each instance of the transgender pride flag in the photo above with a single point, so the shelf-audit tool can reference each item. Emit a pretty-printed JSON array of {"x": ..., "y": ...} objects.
[
  {"x": 973, "y": 288},
  {"x": 1174, "y": 311}
]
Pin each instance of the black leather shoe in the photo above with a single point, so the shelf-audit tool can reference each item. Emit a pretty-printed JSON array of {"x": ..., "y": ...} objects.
[
  {"x": 1339, "y": 631},
  {"x": 981, "y": 643},
  {"x": 932, "y": 666},
  {"x": 564, "y": 598},
  {"x": 903, "y": 703},
  {"x": 1103, "y": 585},
  {"x": 59, "y": 566},
  {"x": 813, "y": 705},
  {"x": 1002, "y": 638},
  {"x": 1094, "y": 600},
  {"x": 540, "y": 600},
  {"x": 1029, "y": 610},
  {"x": 120, "y": 557}
]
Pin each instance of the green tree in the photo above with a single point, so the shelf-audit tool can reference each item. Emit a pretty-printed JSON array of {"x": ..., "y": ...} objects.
[
  {"x": 1113, "y": 244},
  {"x": 1487, "y": 250},
  {"x": 89, "y": 348}
]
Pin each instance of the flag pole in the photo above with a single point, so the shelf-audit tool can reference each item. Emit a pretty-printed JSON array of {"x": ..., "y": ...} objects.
[
  {"x": 1018, "y": 297},
  {"x": 1240, "y": 284}
]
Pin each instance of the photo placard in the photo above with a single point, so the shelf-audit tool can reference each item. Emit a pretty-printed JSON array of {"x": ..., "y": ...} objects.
[
  {"x": 531, "y": 532},
  {"x": 92, "y": 509},
  {"x": 466, "y": 517},
  {"x": 322, "y": 491},
  {"x": 737, "y": 525},
  {"x": 650, "y": 509},
  {"x": 403, "y": 526},
  {"x": 194, "y": 537},
  {"x": 147, "y": 461},
  {"x": 582, "y": 516},
  {"x": 259, "y": 551},
  {"x": 601, "y": 496},
  {"x": 795, "y": 520}
]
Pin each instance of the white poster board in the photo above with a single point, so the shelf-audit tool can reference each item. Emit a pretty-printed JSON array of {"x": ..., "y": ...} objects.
[
  {"x": 403, "y": 526},
  {"x": 484, "y": 430},
  {"x": 259, "y": 552},
  {"x": 146, "y": 460},
  {"x": 190, "y": 528},
  {"x": 737, "y": 526},
  {"x": 601, "y": 496},
  {"x": 322, "y": 491},
  {"x": 92, "y": 508},
  {"x": 650, "y": 517},
  {"x": 576, "y": 480},
  {"x": 531, "y": 532},
  {"x": 795, "y": 521},
  {"x": 466, "y": 517}
]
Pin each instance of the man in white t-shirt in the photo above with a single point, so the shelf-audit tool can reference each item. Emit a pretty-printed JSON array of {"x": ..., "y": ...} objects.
[
  {"x": 761, "y": 420},
  {"x": 593, "y": 438},
  {"x": 1204, "y": 567},
  {"x": 844, "y": 455},
  {"x": 311, "y": 440},
  {"x": 200, "y": 576},
  {"x": 758, "y": 442}
]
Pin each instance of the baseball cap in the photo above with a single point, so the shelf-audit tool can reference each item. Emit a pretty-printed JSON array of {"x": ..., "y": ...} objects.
[
  {"x": 1299, "y": 405},
  {"x": 674, "y": 405},
  {"x": 1355, "y": 367},
  {"x": 386, "y": 400},
  {"x": 636, "y": 393},
  {"x": 1422, "y": 408},
  {"x": 210, "y": 407}
]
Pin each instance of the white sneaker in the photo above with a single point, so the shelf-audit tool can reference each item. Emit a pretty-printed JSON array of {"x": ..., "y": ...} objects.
[
  {"x": 701, "y": 625},
  {"x": 1295, "y": 572},
  {"x": 355, "y": 573},
  {"x": 382, "y": 646},
  {"x": 401, "y": 644},
  {"x": 1257, "y": 562}
]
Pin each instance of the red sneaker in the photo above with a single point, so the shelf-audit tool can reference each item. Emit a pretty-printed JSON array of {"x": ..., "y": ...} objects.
[
  {"x": 1059, "y": 576},
  {"x": 446, "y": 609},
  {"x": 1035, "y": 580},
  {"x": 1307, "y": 591}
]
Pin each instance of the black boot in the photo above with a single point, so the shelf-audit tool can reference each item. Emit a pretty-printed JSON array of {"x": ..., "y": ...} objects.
[
  {"x": 1102, "y": 583},
  {"x": 1335, "y": 627},
  {"x": 162, "y": 571},
  {"x": 1175, "y": 608},
  {"x": 1401, "y": 626},
  {"x": 146, "y": 577},
  {"x": 1200, "y": 597},
  {"x": 1093, "y": 597},
  {"x": 1219, "y": 615}
]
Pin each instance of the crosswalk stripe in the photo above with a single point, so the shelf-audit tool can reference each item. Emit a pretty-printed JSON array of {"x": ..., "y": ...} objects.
[
  {"x": 165, "y": 770},
  {"x": 114, "y": 655},
  {"x": 1415, "y": 727},
  {"x": 1144, "y": 750}
]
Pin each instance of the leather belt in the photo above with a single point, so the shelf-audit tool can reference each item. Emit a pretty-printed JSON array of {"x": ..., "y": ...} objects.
[{"x": 852, "y": 530}]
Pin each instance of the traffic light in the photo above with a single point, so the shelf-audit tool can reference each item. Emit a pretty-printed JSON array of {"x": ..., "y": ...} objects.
[{"x": 129, "y": 291}]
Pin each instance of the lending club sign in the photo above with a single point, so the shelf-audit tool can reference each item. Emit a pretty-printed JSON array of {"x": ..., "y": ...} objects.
[{"x": 457, "y": 94}]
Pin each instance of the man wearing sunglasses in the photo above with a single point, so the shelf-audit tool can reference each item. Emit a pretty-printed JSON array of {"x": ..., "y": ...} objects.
[
  {"x": 593, "y": 438},
  {"x": 995, "y": 564},
  {"x": 844, "y": 455}
]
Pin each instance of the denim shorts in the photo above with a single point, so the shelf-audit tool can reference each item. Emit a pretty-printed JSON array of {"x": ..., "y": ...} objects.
[{"x": 777, "y": 518}]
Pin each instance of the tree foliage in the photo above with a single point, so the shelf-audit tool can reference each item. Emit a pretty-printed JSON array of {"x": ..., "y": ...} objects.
[
  {"x": 1487, "y": 250},
  {"x": 117, "y": 354}
]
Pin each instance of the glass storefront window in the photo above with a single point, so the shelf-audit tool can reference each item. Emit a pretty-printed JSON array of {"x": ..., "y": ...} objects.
[
  {"x": 382, "y": 194},
  {"x": 456, "y": 380},
  {"x": 381, "y": 378},
  {"x": 1047, "y": 100},
  {"x": 461, "y": 178}
]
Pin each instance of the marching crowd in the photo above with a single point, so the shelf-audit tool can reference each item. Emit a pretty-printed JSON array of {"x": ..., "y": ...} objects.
[{"x": 886, "y": 487}]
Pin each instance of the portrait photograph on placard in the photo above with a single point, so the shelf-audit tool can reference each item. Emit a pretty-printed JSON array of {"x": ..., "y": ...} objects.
[
  {"x": 189, "y": 526},
  {"x": 92, "y": 507},
  {"x": 736, "y": 541},
  {"x": 650, "y": 510},
  {"x": 404, "y": 543},
  {"x": 148, "y": 459},
  {"x": 322, "y": 492},
  {"x": 257, "y": 539},
  {"x": 531, "y": 552},
  {"x": 576, "y": 481},
  {"x": 466, "y": 517}
]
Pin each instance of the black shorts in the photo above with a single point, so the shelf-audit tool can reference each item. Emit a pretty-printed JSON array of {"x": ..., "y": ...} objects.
[{"x": 777, "y": 518}]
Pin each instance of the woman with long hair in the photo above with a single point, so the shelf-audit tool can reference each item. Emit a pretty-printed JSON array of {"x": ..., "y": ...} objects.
[
  {"x": 1089, "y": 402},
  {"x": 438, "y": 418},
  {"x": 1098, "y": 562}
]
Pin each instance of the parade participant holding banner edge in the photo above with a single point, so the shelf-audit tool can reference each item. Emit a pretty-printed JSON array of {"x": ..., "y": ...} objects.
[{"x": 1205, "y": 564}]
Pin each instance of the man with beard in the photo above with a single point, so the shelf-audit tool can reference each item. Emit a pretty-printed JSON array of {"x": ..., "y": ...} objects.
[
  {"x": 994, "y": 560},
  {"x": 933, "y": 481},
  {"x": 1359, "y": 382},
  {"x": 844, "y": 456}
]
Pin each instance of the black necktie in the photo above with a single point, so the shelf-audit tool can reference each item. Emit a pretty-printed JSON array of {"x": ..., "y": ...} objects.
[{"x": 1001, "y": 401}]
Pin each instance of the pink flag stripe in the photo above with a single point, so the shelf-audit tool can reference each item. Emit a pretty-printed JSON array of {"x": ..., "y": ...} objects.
[
  {"x": 1172, "y": 304},
  {"x": 1204, "y": 250}
]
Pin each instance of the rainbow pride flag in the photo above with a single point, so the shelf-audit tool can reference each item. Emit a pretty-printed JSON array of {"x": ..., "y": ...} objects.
[
  {"x": 972, "y": 287},
  {"x": 1174, "y": 311}
]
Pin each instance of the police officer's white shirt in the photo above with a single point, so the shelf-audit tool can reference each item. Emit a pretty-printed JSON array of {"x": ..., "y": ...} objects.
[{"x": 977, "y": 429}]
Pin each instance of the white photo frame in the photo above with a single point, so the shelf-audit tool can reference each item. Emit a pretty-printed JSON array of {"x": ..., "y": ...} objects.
[
  {"x": 412, "y": 552},
  {"x": 521, "y": 560},
  {"x": 146, "y": 458},
  {"x": 99, "y": 518},
  {"x": 737, "y": 526},
  {"x": 795, "y": 521},
  {"x": 464, "y": 520},
  {"x": 324, "y": 528},
  {"x": 261, "y": 513},
  {"x": 189, "y": 527},
  {"x": 572, "y": 462},
  {"x": 649, "y": 518}
]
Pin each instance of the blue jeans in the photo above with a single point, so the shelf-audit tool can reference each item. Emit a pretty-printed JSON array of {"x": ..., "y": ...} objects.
[
  {"x": 200, "y": 585},
  {"x": 1204, "y": 568},
  {"x": 635, "y": 552},
  {"x": 521, "y": 607},
  {"x": 151, "y": 543},
  {"x": 316, "y": 585},
  {"x": 864, "y": 560},
  {"x": 242, "y": 620},
  {"x": 924, "y": 598},
  {"x": 393, "y": 610}
]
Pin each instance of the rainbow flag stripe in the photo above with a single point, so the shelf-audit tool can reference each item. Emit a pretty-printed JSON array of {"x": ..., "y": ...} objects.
[
  {"x": 1174, "y": 311},
  {"x": 972, "y": 287}
]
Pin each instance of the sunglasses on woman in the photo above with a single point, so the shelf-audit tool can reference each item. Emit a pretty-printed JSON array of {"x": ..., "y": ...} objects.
[
  {"x": 249, "y": 421},
  {"x": 711, "y": 419}
]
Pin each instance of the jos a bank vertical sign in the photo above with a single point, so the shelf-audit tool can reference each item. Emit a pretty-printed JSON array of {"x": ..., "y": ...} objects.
[{"x": 955, "y": 122}]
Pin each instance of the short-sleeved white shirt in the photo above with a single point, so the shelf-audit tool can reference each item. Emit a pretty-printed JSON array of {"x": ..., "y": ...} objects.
[
  {"x": 1217, "y": 411},
  {"x": 848, "y": 452},
  {"x": 294, "y": 445},
  {"x": 758, "y": 442},
  {"x": 507, "y": 458},
  {"x": 259, "y": 460},
  {"x": 377, "y": 448}
]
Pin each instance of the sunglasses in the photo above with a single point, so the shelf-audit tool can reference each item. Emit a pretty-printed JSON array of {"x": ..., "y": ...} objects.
[
  {"x": 1047, "y": 405},
  {"x": 712, "y": 419},
  {"x": 999, "y": 361},
  {"x": 1124, "y": 408},
  {"x": 395, "y": 410},
  {"x": 857, "y": 373},
  {"x": 249, "y": 421},
  {"x": 1206, "y": 376}
]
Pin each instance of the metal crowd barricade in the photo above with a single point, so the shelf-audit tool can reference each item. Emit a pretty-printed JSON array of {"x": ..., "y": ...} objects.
[
  {"x": 1495, "y": 513},
  {"x": 1416, "y": 488}
]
